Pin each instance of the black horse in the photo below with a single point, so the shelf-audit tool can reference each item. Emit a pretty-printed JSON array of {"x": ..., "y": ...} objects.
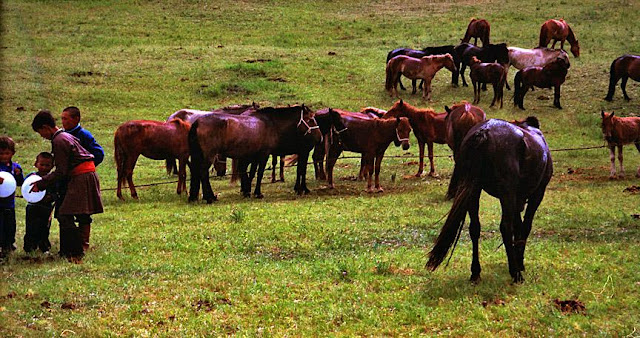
[
  {"x": 425, "y": 52},
  {"x": 509, "y": 162},
  {"x": 490, "y": 53}
]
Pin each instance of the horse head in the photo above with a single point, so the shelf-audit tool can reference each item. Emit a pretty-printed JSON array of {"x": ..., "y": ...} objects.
[
  {"x": 473, "y": 61},
  {"x": 403, "y": 129},
  {"x": 449, "y": 63},
  {"x": 336, "y": 121},
  {"x": 575, "y": 49},
  {"x": 398, "y": 109},
  {"x": 499, "y": 52},
  {"x": 308, "y": 126},
  {"x": 607, "y": 126}
]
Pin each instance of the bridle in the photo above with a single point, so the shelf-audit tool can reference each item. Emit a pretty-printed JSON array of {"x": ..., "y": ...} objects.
[
  {"x": 309, "y": 128},
  {"x": 401, "y": 139}
]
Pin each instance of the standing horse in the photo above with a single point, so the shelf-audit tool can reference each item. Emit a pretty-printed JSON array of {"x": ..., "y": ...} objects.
[
  {"x": 490, "y": 53},
  {"x": 424, "y": 68},
  {"x": 251, "y": 139},
  {"x": 551, "y": 75},
  {"x": 521, "y": 58},
  {"x": 558, "y": 30},
  {"x": 436, "y": 50},
  {"x": 155, "y": 140},
  {"x": 624, "y": 67},
  {"x": 461, "y": 117},
  {"x": 478, "y": 28},
  {"x": 510, "y": 163},
  {"x": 619, "y": 131},
  {"x": 483, "y": 73},
  {"x": 428, "y": 126}
]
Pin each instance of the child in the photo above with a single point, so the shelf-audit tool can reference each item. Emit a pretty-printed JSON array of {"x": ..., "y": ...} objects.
[
  {"x": 38, "y": 216},
  {"x": 74, "y": 165},
  {"x": 8, "y": 204}
]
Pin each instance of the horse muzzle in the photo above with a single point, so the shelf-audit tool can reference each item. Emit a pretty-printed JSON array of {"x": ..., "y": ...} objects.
[{"x": 405, "y": 145}]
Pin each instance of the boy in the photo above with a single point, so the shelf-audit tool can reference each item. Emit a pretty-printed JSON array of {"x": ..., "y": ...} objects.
[
  {"x": 38, "y": 216},
  {"x": 8, "y": 204},
  {"x": 71, "y": 124},
  {"x": 74, "y": 165}
]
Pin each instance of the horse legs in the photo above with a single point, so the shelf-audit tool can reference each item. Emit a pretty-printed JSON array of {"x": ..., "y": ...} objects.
[
  {"x": 413, "y": 85},
  {"x": 509, "y": 211},
  {"x": 182, "y": 176},
  {"x": 556, "y": 96},
  {"x": 621, "y": 175},
  {"x": 462, "y": 68},
  {"x": 495, "y": 94},
  {"x": 421, "y": 165},
  {"x": 524, "y": 228},
  {"x": 474, "y": 233},
  {"x": 301, "y": 175},
  {"x": 262, "y": 163},
  {"x": 332, "y": 157},
  {"x": 432, "y": 167},
  {"x": 525, "y": 88},
  {"x": 318, "y": 159},
  {"x": 426, "y": 90},
  {"x": 245, "y": 181},
  {"x": 612, "y": 158},
  {"x": 637, "y": 144},
  {"x": 476, "y": 91},
  {"x": 400, "y": 83},
  {"x": 368, "y": 161},
  {"x": 376, "y": 168},
  {"x": 623, "y": 86},
  {"x": 129, "y": 164}
]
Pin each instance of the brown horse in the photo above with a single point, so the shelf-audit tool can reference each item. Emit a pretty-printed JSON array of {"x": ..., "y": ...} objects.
[
  {"x": 558, "y": 30},
  {"x": 461, "y": 117},
  {"x": 624, "y": 67},
  {"x": 428, "y": 126},
  {"x": 619, "y": 131},
  {"x": 155, "y": 140},
  {"x": 424, "y": 68},
  {"x": 371, "y": 138},
  {"x": 478, "y": 28},
  {"x": 493, "y": 73},
  {"x": 551, "y": 75}
]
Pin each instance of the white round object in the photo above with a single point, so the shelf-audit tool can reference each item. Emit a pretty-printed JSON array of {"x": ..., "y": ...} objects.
[
  {"x": 27, "y": 194},
  {"x": 8, "y": 186}
]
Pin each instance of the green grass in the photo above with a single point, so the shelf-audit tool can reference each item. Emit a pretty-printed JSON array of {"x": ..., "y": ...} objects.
[{"x": 336, "y": 262}]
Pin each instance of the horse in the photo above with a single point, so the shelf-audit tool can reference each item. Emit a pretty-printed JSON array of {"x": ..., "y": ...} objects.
[
  {"x": 460, "y": 118},
  {"x": 428, "y": 126},
  {"x": 619, "y": 131},
  {"x": 482, "y": 73},
  {"x": 371, "y": 138},
  {"x": 436, "y": 50},
  {"x": 478, "y": 28},
  {"x": 489, "y": 53},
  {"x": 424, "y": 68},
  {"x": 251, "y": 139},
  {"x": 536, "y": 57},
  {"x": 551, "y": 75},
  {"x": 624, "y": 67},
  {"x": 558, "y": 30},
  {"x": 331, "y": 126},
  {"x": 153, "y": 139},
  {"x": 509, "y": 162}
]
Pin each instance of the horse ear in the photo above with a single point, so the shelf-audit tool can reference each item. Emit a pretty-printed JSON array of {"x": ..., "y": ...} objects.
[
  {"x": 602, "y": 113},
  {"x": 612, "y": 112},
  {"x": 447, "y": 109}
]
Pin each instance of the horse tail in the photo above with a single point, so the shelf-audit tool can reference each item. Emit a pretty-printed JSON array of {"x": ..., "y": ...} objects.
[
  {"x": 613, "y": 79},
  {"x": 543, "y": 36},
  {"x": 487, "y": 34},
  {"x": 517, "y": 87},
  {"x": 197, "y": 160},
  {"x": 464, "y": 185},
  {"x": 389, "y": 82}
]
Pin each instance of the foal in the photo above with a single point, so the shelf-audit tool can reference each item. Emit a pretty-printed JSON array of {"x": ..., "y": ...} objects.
[
  {"x": 619, "y": 131},
  {"x": 482, "y": 73},
  {"x": 424, "y": 68}
]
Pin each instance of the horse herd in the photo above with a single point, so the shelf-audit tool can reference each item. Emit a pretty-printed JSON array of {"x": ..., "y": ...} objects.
[{"x": 509, "y": 160}]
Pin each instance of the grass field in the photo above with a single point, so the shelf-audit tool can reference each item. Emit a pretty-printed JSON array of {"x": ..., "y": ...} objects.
[{"x": 335, "y": 262}]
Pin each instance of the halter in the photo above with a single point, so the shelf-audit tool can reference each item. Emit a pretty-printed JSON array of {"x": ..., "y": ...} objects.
[
  {"x": 401, "y": 139},
  {"x": 309, "y": 128}
]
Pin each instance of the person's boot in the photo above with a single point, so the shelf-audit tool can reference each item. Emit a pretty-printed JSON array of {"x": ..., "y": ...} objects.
[{"x": 85, "y": 233}]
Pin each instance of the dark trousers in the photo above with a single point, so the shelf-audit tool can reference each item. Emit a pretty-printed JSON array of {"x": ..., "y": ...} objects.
[
  {"x": 70, "y": 237},
  {"x": 38, "y": 223},
  {"x": 7, "y": 230}
]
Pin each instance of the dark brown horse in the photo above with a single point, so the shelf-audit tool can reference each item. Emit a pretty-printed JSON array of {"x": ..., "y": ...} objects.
[
  {"x": 478, "y": 29},
  {"x": 428, "y": 126},
  {"x": 624, "y": 67},
  {"x": 550, "y": 76},
  {"x": 619, "y": 131},
  {"x": 424, "y": 68},
  {"x": 461, "y": 117},
  {"x": 510, "y": 163},
  {"x": 250, "y": 139},
  {"x": 482, "y": 73},
  {"x": 558, "y": 30},
  {"x": 155, "y": 140},
  {"x": 489, "y": 53},
  {"x": 333, "y": 127},
  {"x": 371, "y": 138}
]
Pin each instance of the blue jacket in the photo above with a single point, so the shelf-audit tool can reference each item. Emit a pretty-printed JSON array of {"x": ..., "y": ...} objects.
[
  {"x": 88, "y": 142},
  {"x": 10, "y": 202}
]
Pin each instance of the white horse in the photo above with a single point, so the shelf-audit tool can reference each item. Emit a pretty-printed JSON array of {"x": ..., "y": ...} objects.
[{"x": 536, "y": 57}]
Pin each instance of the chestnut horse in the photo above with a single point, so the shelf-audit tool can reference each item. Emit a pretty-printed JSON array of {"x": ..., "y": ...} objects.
[
  {"x": 424, "y": 68},
  {"x": 461, "y": 117},
  {"x": 371, "y": 138},
  {"x": 482, "y": 73},
  {"x": 558, "y": 30},
  {"x": 478, "y": 28},
  {"x": 510, "y": 163},
  {"x": 428, "y": 126},
  {"x": 155, "y": 140},
  {"x": 619, "y": 131},
  {"x": 489, "y": 53},
  {"x": 425, "y": 52},
  {"x": 624, "y": 67},
  {"x": 551, "y": 75},
  {"x": 250, "y": 139}
]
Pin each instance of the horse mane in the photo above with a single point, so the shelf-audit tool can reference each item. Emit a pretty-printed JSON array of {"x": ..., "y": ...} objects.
[
  {"x": 373, "y": 110},
  {"x": 571, "y": 37},
  {"x": 460, "y": 104},
  {"x": 180, "y": 122},
  {"x": 400, "y": 105}
]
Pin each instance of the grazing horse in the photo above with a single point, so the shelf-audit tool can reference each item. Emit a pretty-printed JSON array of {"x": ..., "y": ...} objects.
[
  {"x": 490, "y": 53},
  {"x": 482, "y": 73},
  {"x": 436, "y": 50},
  {"x": 461, "y": 117},
  {"x": 428, "y": 126},
  {"x": 624, "y": 67},
  {"x": 510, "y": 163},
  {"x": 371, "y": 138},
  {"x": 251, "y": 139},
  {"x": 558, "y": 30},
  {"x": 619, "y": 131},
  {"x": 153, "y": 139},
  {"x": 424, "y": 68},
  {"x": 478, "y": 28},
  {"x": 551, "y": 75}
]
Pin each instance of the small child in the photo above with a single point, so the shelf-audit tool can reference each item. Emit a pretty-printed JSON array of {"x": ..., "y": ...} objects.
[
  {"x": 8, "y": 204},
  {"x": 38, "y": 216}
]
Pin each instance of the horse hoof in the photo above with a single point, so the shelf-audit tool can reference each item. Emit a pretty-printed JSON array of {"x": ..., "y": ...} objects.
[
  {"x": 380, "y": 190},
  {"x": 518, "y": 279},
  {"x": 192, "y": 199},
  {"x": 613, "y": 177},
  {"x": 608, "y": 99},
  {"x": 259, "y": 196},
  {"x": 475, "y": 279}
]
